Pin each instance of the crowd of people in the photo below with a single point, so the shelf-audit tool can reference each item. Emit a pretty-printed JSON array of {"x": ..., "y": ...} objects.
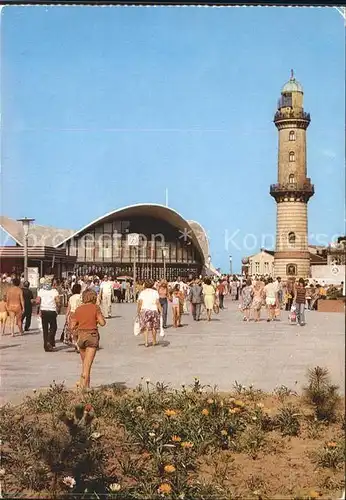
[{"x": 87, "y": 303}]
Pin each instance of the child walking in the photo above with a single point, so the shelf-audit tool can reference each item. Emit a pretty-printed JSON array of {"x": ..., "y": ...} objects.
[
  {"x": 3, "y": 315},
  {"x": 176, "y": 299}
]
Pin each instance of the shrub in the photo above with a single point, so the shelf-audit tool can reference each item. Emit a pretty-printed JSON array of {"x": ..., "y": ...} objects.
[
  {"x": 315, "y": 428},
  {"x": 331, "y": 455},
  {"x": 50, "y": 401},
  {"x": 321, "y": 394},
  {"x": 282, "y": 392},
  {"x": 334, "y": 293},
  {"x": 287, "y": 420},
  {"x": 252, "y": 441}
]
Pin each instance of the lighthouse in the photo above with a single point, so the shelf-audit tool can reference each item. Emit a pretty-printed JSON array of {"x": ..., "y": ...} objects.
[{"x": 293, "y": 188}]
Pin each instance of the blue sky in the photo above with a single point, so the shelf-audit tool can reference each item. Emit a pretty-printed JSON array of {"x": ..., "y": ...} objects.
[{"x": 103, "y": 107}]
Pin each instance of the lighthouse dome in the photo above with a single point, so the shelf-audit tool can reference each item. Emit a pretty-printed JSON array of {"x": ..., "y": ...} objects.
[{"x": 292, "y": 85}]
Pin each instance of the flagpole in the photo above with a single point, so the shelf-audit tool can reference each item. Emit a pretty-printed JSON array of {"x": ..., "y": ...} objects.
[{"x": 166, "y": 197}]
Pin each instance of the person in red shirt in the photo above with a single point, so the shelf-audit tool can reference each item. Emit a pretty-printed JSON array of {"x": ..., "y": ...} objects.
[
  {"x": 221, "y": 289},
  {"x": 85, "y": 322}
]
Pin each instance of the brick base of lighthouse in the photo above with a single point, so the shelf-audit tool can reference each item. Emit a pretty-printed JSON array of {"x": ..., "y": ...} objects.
[{"x": 282, "y": 260}]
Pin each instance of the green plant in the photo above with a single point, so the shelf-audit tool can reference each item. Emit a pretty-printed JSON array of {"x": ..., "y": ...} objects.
[
  {"x": 287, "y": 420},
  {"x": 102, "y": 402},
  {"x": 50, "y": 401},
  {"x": 282, "y": 392},
  {"x": 331, "y": 455},
  {"x": 321, "y": 394},
  {"x": 334, "y": 293},
  {"x": 249, "y": 392},
  {"x": 252, "y": 441},
  {"x": 315, "y": 428}
]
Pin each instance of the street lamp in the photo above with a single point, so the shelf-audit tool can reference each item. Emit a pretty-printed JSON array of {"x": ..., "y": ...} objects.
[
  {"x": 164, "y": 255},
  {"x": 230, "y": 265},
  {"x": 26, "y": 223}
]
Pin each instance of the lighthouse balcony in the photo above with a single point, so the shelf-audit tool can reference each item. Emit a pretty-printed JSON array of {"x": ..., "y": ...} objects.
[
  {"x": 289, "y": 114},
  {"x": 297, "y": 190}
]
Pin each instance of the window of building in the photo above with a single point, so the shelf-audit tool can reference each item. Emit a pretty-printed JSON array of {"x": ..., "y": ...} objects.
[
  {"x": 291, "y": 179},
  {"x": 116, "y": 246},
  {"x": 89, "y": 248},
  {"x": 81, "y": 250},
  {"x": 291, "y": 269},
  {"x": 291, "y": 156},
  {"x": 257, "y": 267},
  {"x": 291, "y": 238},
  {"x": 108, "y": 227},
  {"x": 266, "y": 268},
  {"x": 72, "y": 248},
  {"x": 125, "y": 226},
  {"x": 292, "y": 135},
  {"x": 107, "y": 247}
]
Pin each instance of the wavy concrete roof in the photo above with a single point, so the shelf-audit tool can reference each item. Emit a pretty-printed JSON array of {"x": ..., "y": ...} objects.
[
  {"x": 159, "y": 211},
  {"x": 50, "y": 236},
  {"x": 202, "y": 237},
  {"x": 38, "y": 235}
]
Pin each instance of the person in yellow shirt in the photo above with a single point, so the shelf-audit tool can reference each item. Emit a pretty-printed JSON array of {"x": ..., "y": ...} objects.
[{"x": 322, "y": 292}]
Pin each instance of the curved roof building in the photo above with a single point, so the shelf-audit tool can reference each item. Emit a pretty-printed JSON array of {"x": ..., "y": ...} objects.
[{"x": 168, "y": 245}]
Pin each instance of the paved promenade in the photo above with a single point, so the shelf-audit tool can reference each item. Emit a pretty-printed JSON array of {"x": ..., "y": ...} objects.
[{"x": 219, "y": 352}]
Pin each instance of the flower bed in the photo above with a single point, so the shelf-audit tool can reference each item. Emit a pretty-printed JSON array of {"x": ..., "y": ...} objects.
[{"x": 155, "y": 442}]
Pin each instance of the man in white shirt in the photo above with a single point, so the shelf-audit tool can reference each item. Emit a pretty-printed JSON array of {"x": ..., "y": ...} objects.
[
  {"x": 106, "y": 292},
  {"x": 48, "y": 300},
  {"x": 271, "y": 298},
  {"x": 278, "y": 289}
]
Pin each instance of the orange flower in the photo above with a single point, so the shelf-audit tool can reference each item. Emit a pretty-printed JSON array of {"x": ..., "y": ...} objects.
[
  {"x": 224, "y": 432},
  {"x": 176, "y": 439},
  {"x": 169, "y": 468},
  {"x": 170, "y": 413},
  {"x": 332, "y": 444},
  {"x": 205, "y": 412},
  {"x": 164, "y": 489},
  {"x": 187, "y": 444},
  {"x": 314, "y": 494},
  {"x": 210, "y": 401}
]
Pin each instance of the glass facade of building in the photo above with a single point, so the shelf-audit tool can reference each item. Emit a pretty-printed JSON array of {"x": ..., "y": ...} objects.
[{"x": 103, "y": 249}]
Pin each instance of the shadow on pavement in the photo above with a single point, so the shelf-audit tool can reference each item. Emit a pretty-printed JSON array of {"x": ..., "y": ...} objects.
[
  {"x": 8, "y": 346},
  {"x": 163, "y": 343},
  {"x": 32, "y": 332}
]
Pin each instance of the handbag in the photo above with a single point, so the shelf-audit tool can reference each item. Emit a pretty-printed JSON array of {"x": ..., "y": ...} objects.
[
  {"x": 136, "y": 327},
  {"x": 39, "y": 323},
  {"x": 216, "y": 308},
  {"x": 162, "y": 331}
]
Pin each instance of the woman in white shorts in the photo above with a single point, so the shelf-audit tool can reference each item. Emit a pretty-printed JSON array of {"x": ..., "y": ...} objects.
[{"x": 271, "y": 298}]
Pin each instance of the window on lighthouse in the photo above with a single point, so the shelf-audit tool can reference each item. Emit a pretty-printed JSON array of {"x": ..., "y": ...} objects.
[
  {"x": 291, "y": 179},
  {"x": 291, "y": 156},
  {"x": 291, "y": 238},
  {"x": 292, "y": 135}
]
